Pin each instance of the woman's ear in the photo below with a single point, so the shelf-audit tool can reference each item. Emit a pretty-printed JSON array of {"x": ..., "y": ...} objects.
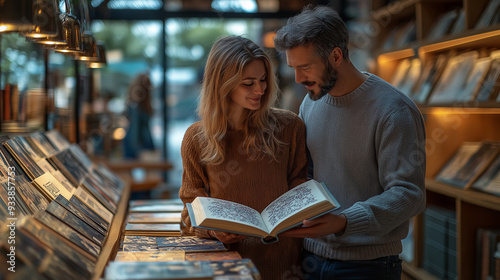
[{"x": 335, "y": 57}]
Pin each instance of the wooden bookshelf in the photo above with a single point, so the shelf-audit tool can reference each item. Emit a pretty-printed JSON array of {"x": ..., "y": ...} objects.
[{"x": 447, "y": 125}]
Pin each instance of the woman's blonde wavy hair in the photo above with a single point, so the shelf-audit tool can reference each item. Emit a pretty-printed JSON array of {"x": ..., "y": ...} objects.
[{"x": 223, "y": 73}]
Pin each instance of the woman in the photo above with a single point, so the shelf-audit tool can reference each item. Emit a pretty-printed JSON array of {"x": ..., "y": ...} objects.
[{"x": 243, "y": 150}]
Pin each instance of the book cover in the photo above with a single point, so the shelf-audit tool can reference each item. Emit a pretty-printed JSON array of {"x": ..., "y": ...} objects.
[
  {"x": 488, "y": 14},
  {"x": 151, "y": 256},
  {"x": 98, "y": 193},
  {"x": 60, "y": 245},
  {"x": 156, "y": 208},
  {"x": 80, "y": 214},
  {"x": 154, "y": 218},
  {"x": 242, "y": 269},
  {"x": 306, "y": 201},
  {"x": 89, "y": 212},
  {"x": 139, "y": 239},
  {"x": 158, "y": 270},
  {"x": 491, "y": 82},
  {"x": 471, "y": 168},
  {"x": 474, "y": 80},
  {"x": 133, "y": 247},
  {"x": 69, "y": 166},
  {"x": 81, "y": 195},
  {"x": 153, "y": 229},
  {"x": 31, "y": 197},
  {"x": 187, "y": 241},
  {"x": 76, "y": 223},
  {"x": 443, "y": 25},
  {"x": 150, "y": 202},
  {"x": 428, "y": 79},
  {"x": 57, "y": 140},
  {"x": 212, "y": 256},
  {"x": 69, "y": 233},
  {"x": 40, "y": 140},
  {"x": 23, "y": 159},
  {"x": 453, "y": 78},
  {"x": 457, "y": 161}
]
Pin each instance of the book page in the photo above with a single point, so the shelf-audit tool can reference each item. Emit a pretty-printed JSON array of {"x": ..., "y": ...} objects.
[
  {"x": 292, "y": 202},
  {"x": 231, "y": 211},
  {"x": 52, "y": 186}
]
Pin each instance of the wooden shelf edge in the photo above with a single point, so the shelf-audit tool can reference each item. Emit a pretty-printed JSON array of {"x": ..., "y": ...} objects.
[
  {"x": 113, "y": 239},
  {"x": 485, "y": 200}
]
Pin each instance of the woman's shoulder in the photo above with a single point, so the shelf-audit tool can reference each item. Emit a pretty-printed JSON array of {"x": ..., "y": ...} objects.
[
  {"x": 192, "y": 131},
  {"x": 286, "y": 117}
]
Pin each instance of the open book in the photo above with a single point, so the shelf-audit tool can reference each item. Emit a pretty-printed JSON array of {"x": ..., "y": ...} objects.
[{"x": 306, "y": 201}]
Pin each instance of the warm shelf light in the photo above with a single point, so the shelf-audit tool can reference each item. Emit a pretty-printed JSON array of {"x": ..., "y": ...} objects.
[
  {"x": 396, "y": 55},
  {"x": 71, "y": 34},
  {"x": 462, "y": 42}
]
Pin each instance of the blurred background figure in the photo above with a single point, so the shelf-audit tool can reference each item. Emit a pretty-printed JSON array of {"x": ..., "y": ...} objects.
[{"x": 139, "y": 112}]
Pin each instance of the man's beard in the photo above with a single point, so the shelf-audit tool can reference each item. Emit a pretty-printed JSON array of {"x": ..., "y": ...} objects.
[{"x": 330, "y": 76}]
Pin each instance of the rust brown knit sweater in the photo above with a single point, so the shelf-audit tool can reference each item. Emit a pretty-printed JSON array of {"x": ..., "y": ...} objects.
[{"x": 252, "y": 183}]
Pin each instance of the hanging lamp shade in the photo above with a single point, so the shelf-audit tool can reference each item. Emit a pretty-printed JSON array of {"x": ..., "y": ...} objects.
[
  {"x": 101, "y": 56},
  {"x": 45, "y": 19},
  {"x": 16, "y": 15},
  {"x": 89, "y": 48},
  {"x": 69, "y": 40}
]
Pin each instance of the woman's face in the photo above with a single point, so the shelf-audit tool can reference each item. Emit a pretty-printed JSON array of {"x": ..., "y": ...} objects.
[{"x": 247, "y": 95}]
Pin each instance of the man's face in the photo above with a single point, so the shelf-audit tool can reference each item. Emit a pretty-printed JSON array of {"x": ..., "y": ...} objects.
[{"x": 317, "y": 75}]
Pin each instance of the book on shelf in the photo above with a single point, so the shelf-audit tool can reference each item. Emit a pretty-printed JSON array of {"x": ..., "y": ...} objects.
[
  {"x": 407, "y": 84},
  {"x": 34, "y": 253},
  {"x": 41, "y": 141},
  {"x": 432, "y": 70},
  {"x": 474, "y": 80},
  {"x": 490, "y": 85},
  {"x": 453, "y": 78},
  {"x": 133, "y": 247},
  {"x": 156, "y": 208},
  {"x": 157, "y": 270},
  {"x": 489, "y": 180},
  {"x": 486, "y": 245},
  {"x": 189, "y": 244},
  {"x": 443, "y": 24},
  {"x": 75, "y": 223},
  {"x": 150, "y": 256},
  {"x": 243, "y": 269},
  {"x": 139, "y": 239},
  {"x": 401, "y": 72},
  {"x": 153, "y": 229},
  {"x": 83, "y": 197},
  {"x": 75, "y": 210},
  {"x": 57, "y": 140},
  {"x": 305, "y": 201},
  {"x": 24, "y": 160},
  {"x": 59, "y": 244},
  {"x": 68, "y": 232},
  {"x": 150, "y": 202},
  {"x": 154, "y": 218},
  {"x": 488, "y": 14},
  {"x": 467, "y": 164},
  {"x": 29, "y": 196},
  {"x": 89, "y": 212},
  {"x": 212, "y": 256},
  {"x": 459, "y": 24}
]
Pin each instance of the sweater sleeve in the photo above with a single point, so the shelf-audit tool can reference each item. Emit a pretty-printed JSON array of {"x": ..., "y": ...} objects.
[
  {"x": 400, "y": 144},
  {"x": 194, "y": 179}
]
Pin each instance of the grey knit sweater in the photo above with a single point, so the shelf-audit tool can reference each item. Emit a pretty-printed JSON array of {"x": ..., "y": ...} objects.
[{"x": 368, "y": 147}]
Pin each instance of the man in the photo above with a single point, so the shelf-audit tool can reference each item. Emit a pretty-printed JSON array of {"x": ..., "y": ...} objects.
[{"x": 367, "y": 144}]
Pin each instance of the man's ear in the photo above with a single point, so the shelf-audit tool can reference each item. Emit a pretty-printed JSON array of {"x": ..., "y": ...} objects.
[{"x": 336, "y": 56}]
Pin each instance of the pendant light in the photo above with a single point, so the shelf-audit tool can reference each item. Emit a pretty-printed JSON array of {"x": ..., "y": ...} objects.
[
  {"x": 16, "y": 15},
  {"x": 71, "y": 33},
  {"x": 101, "y": 56},
  {"x": 45, "y": 19}
]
